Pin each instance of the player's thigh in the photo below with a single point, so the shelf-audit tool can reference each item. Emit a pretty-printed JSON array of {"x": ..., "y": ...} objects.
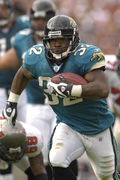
[
  {"x": 66, "y": 145},
  {"x": 103, "y": 154}
]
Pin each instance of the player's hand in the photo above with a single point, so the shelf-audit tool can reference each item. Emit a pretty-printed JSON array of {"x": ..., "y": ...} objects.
[
  {"x": 10, "y": 112},
  {"x": 62, "y": 89}
]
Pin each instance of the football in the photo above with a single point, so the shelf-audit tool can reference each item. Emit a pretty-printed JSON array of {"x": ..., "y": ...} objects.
[{"x": 71, "y": 78}]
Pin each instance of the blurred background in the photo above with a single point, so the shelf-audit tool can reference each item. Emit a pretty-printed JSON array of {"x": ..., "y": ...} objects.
[
  {"x": 99, "y": 24},
  {"x": 99, "y": 21}
]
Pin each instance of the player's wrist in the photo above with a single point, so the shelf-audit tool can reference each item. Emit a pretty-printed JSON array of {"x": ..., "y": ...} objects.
[
  {"x": 76, "y": 91},
  {"x": 13, "y": 97}
]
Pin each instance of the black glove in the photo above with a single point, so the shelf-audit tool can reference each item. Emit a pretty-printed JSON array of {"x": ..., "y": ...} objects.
[
  {"x": 62, "y": 89},
  {"x": 10, "y": 112}
]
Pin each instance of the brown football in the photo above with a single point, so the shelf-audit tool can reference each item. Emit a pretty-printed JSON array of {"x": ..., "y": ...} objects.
[{"x": 71, "y": 78}]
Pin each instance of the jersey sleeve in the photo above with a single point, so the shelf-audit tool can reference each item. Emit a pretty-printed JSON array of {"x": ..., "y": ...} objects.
[
  {"x": 16, "y": 45},
  {"x": 30, "y": 60},
  {"x": 93, "y": 59},
  {"x": 19, "y": 48},
  {"x": 24, "y": 21}
]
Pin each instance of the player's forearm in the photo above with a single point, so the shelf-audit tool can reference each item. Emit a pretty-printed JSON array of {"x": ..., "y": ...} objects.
[
  {"x": 4, "y": 65},
  {"x": 19, "y": 83},
  {"x": 37, "y": 165},
  {"x": 38, "y": 168},
  {"x": 9, "y": 61},
  {"x": 30, "y": 175},
  {"x": 95, "y": 90}
]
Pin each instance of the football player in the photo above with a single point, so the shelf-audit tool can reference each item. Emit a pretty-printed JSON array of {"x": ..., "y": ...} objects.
[
  {"x": 21, "y": 145},
  {"x": 83, "y": 119},
  {"x": 9, "y": 26},
  {"x": 39, "y": 114}
]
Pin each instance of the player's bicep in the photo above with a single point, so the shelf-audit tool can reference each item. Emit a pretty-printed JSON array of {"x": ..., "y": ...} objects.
[
  {"x": 97, "y": 86},
  {"x": 26, "y": 73},
  {"x": 95, "y": 60},
  {"x": 96, "y": 75}
]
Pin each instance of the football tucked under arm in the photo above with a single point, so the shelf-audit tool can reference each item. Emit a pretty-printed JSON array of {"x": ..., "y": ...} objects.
[{"x": 67, "y": 85}]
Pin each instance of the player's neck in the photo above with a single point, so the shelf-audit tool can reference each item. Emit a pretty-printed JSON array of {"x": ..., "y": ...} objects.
[{"x": 37, "y": 39}]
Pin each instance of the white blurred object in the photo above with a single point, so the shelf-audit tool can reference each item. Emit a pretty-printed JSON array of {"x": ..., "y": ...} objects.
[
  {"x": 6, "y": 177},
  {"x": 3, "y": 165}
]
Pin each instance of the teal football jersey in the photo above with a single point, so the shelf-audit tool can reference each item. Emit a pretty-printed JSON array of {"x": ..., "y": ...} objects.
[
  {"x": 84, "y": 115},
  {"x": 6, "y": 38},
  {"x": 22, "y": 42}
]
